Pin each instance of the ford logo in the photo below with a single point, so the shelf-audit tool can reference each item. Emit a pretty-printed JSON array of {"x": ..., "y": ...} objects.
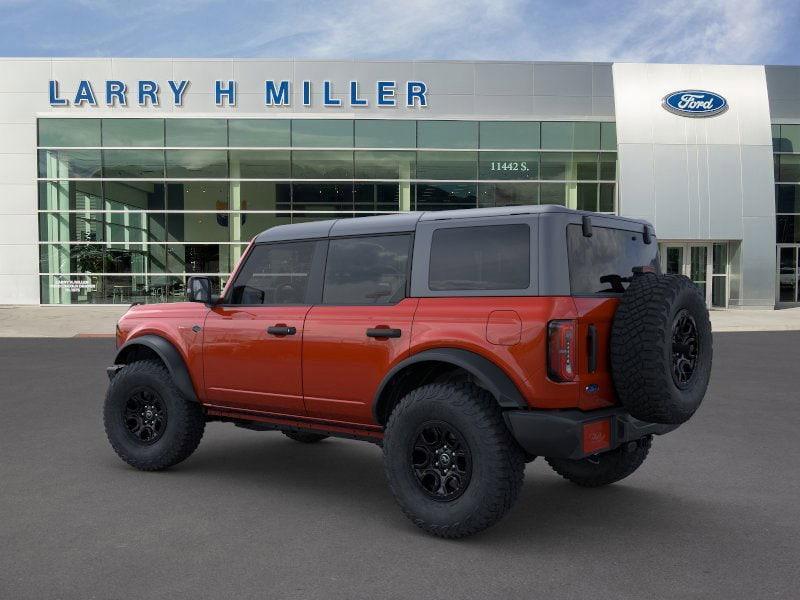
[{"x": 695, "y": 103}]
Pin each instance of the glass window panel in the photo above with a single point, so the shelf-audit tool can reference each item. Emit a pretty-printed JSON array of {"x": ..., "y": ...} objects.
[
  {"x": 606, "y": 198},
  {"x": 134, "y": 227},
  {"x": 133, "y": 132},
  {"x": 198, "y": 258},
  {"x": 447, "y": 165},
  {"x": 509, "y": 165},
  {"x": 587, "y": 136},
  {"x": 447, "y": 134},
  {"x": 265, "y": 133},
  {"x": 92, "y": 289},
  {"x": 508, "y": 194},
  {"x": 197, "y": 132},
  {"x": 720, "y": 259},
  {"x": 200, "y": 227},
  {"x": 63, "y": 164},
  {"x": 198, "y": 195},
  {"x": 70, "y": 195},
  {"x": 380, "y": 197},
  {"x": 197, "y": 163},
  {"x": 385, "y": 164},
  {"x": 95, "y": 258},
  {"x": 383, "y": 133},
  {"x": 608, "y": 136},
  {"x": 587, "y": 196},
  {"x": 367, "y": 270},
  {"x": 776, "y": 138},
  {"x": 553, "y": 193},
  {"x": 100, "y": 226},
  {"x": 586, "y": 165},
  {"x": 322, "y": 133},
  {"x": 322, "y": 164},
  {"x": 261, "y": 195},
  {"x": 133, "y": 195},
  {"x": 509, "y": 134},
  {"x": 260, "y": 164},
  {"x": 789, "y": 170},
  {"x": 556, "y": 165},
  {"x": 790, "y": 138},
  {"x": 788, "y": 229},
  {"x": 274, "y": 274},
  {"x": 65, "y": 133},
  {"x": 557, "y": 135},
  {"x": 787, "y": 198},
  {"x": 446, "y": 196},
  {"x": 608, "y": 166},
  {"x": 787, "y": 263},
  {"x": 490, "y": 257},
  {"x": 254, "y": 223},
  {"x": 787, "y": 288},
  {"x": 332, "y": 197},
  {"x": 148, "y": 164}
]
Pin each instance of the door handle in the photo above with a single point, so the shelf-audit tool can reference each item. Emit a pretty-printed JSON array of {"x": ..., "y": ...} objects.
[
  {"x": 383, "y": 332},
  {"x": 281, "y": 330}
]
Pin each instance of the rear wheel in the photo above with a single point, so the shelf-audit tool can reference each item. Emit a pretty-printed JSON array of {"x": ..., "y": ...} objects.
[
  {"x": 451, "y": 463},
  {"x": 148, "y": 422},
  {"x": 606, "y": 468},
  {"x": 306, "y": 437}
]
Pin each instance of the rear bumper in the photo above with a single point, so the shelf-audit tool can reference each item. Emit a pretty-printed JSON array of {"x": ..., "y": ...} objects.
[{"x": 576, "y": 434}]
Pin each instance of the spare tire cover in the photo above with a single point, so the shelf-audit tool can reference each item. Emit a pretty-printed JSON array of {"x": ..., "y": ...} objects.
[{"x": 661, "y": 348}]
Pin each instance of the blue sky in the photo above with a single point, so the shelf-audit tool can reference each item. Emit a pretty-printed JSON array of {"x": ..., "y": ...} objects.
[{"x": 713, "y": 31}]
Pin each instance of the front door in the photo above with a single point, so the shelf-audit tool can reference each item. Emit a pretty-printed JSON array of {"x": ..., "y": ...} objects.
[
  {"x": 692, "y": 260},
  {"x": 362, "y": 327},
  {"x": 253, "y": 339}
]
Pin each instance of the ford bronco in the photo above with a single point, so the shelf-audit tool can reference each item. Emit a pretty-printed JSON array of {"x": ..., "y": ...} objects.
[{"x": 465, "y": 343}]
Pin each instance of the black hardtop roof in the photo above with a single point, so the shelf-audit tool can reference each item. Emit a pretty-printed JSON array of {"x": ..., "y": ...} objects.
[{"x": 406, "y": 222}]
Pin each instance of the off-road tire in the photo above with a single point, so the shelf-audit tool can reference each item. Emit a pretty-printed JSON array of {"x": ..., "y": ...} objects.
[
  {"x": 498, "y": 463},
  {"x": 605, "y": 468},
  {"x": 643, "y": 351},
  {"x": 306, "y": 437},
  {"x": 185, "y": 421}
]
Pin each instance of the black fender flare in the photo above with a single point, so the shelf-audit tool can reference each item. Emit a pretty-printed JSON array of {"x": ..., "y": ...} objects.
[
  {"x": 493, "y": 378},
  {"x": 169, "y": 355}
]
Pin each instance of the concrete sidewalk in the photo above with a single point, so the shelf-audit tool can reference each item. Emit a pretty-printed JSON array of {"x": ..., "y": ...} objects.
[{"x": 72, "y": 321}]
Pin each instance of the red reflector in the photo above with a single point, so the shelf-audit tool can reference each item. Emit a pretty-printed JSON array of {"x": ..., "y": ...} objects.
[{"x": 596, "y": 436}]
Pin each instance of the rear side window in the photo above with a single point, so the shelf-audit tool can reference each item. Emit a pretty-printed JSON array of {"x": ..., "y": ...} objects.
[
  {"x": 367, "y": 270},
  {"x": 274, "y": 274},
  {"x": 599, "y": 264},
  {"x": 488, "y": 257}
]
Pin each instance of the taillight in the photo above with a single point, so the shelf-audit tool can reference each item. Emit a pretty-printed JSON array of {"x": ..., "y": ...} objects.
[{"x": 561, "y": 350}]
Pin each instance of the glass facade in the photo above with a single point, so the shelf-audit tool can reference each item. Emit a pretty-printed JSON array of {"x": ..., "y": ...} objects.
[
  {"x": 128, "y": 208},
  {"x": 786, "y": 148}
]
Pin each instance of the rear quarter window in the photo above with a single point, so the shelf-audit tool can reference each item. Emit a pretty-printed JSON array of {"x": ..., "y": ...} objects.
[
  {"x": 598, "y": 264},
  {"x": 487, "y": 257}
]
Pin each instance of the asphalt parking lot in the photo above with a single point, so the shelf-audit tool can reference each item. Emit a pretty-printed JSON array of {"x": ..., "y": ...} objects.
[{"x": 713, "y": 513}]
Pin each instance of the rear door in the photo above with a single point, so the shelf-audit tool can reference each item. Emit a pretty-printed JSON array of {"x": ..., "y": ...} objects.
[
  {"x": 253, "y": 340},
  {"x": 361, "y": 328}
]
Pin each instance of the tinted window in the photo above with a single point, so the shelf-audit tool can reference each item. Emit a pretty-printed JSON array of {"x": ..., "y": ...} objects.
[
  {"x": 609, "y": 254},
  {"x": 366, "y": 270},
  {"x": 494, "y": 257},
  {"x": 274, "y": 274}
]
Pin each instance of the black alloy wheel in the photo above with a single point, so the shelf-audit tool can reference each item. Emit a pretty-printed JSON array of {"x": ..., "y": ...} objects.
[
  {"x": 145, "y": 416},
  {"x": 685, "y": 345},
  {"x": 441, "y": 461}
]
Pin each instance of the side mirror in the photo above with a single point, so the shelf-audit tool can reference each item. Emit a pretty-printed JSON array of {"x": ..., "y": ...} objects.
[{"x": 198, "y": 289}]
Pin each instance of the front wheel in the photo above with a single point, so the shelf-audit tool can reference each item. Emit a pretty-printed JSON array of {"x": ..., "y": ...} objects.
[
  {"x": 606, "y": 468},
  {"x": 452, "y": 464},
  {"x": 148, "y": 422}
]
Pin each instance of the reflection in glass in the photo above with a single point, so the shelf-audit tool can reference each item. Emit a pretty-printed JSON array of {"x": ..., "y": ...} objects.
[
  {"x": 65, "y": 133},
  {"x": 64, "y": 164},
  {"x": 197, "y": 164},
  {"x": 322, "y": 164},
  {"x": 323, "y": 196},
  {"x": 259, "y": 133},
  {"x": 509, "y": 165},
  {"x": 133, "y": 132},
  {"x": 508, "y": 194},
  {"x": 260, "y": 164},
  {"x": 198, "y": 133},
  {"x": 446, "y": 196},
  {"x": 556, "y": 165},
  {"x": 509, "y": 134},
  {"x": 447, "y": 134},
  {"x": 132, "y": 164},
  {"x": 384, "y": 133},
  {"x": 322, "y": 133},
  {"x": 553, "y": 193},
  {"x": 587, "y": 196},
  {"x": 789, "y": 169},
  {"x": 70, "y": 195},
  {"x": 134, "y": 195},
  {"x": 385, "y": 165},
  {"x": 381, "y": 197},
  {"x": 447, "y": 165}
]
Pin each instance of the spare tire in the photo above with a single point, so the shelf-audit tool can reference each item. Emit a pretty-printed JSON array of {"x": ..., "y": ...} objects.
[{"x": 661, "y": 348}]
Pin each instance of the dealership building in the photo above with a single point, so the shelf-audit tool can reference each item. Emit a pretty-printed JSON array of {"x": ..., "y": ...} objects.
[{"x": 119, "y": 178}]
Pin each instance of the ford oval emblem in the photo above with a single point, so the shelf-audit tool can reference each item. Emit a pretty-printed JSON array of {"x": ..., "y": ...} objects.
[{"x": 695, "y": 103}]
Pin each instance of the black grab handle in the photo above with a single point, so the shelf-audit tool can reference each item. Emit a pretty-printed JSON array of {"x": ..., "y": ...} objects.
[
  {"x": 281, "y": 330},
  {"x": 383, "y": 332}
]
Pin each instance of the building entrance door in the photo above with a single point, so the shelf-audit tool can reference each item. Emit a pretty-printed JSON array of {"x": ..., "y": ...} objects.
[
  {"x": 692, "y": 260},
  {"x": 787, "y": 280}
]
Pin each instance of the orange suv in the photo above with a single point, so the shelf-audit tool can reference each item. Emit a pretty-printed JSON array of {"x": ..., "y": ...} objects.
[{"x": 465, "y": 343}]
